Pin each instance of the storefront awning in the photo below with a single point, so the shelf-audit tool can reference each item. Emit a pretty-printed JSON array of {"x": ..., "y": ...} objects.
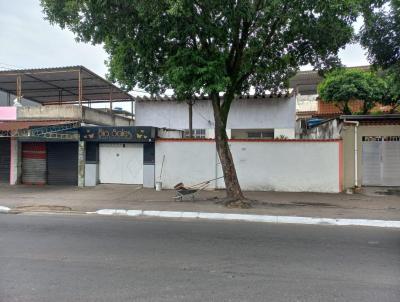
[
  {"x": 35, "y": 128},
  {"x": 19, "y": 125}
]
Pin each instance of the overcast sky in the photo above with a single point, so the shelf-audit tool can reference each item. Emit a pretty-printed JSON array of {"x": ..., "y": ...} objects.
[{"x": 29, "y": 41}]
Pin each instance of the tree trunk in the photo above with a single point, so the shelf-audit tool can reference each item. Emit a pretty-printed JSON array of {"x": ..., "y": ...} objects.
[
  {"x": 234, "y": 193},
  {"x": 346, "y": 108}
]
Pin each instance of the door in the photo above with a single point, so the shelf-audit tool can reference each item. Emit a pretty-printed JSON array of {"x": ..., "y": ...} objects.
[
  {"x": 391, "y": 163},
  {"x": 381, "y": 161},
  {"x": 34, "y": 167},
  {"x": 5, "y": 160},
  {"x": 62, "y": 163},
  {"x": 121, "y": 163}
]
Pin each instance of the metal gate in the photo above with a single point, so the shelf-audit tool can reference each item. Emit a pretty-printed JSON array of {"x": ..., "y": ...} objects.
[
  {"x": 381, "y": 161},
  {"x": 4, "y": 160},
  {"x": 62, "y": 163},
  {"x": 34, "y": 163},
  {"x": 121, "y": 163}
]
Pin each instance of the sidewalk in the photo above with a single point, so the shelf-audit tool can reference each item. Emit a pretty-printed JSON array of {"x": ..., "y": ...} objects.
[{"x": 372, "y": 205}]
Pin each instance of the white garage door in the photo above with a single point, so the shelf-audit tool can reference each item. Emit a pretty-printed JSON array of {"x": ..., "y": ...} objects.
[
  {"x": 121, "y": 163},
  {"x": 381, "y": 161}
]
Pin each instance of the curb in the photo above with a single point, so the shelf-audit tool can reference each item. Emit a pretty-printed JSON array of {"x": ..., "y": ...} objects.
[
  {"x": 251, "y": 218},
  {"x": 4, "y": 210}
]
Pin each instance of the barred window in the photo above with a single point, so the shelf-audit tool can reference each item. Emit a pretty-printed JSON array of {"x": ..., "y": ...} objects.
[
  {"x": 196, "y": 133},
  {"x": 266, "y": 133}
]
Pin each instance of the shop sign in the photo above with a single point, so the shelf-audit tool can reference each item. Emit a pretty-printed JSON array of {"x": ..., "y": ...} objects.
[{"x": 118, "y": 134}]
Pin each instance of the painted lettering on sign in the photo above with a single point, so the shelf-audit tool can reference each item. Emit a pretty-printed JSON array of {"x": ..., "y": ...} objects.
[{"x": 118, "y": 134}]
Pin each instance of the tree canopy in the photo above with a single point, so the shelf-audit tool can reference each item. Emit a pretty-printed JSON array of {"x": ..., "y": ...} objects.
[
  {"x": 217, "y": 47},
  {"x": 380, "y": 35},
  {"x": 203, "y": 46},
  {"x": 344, "y": 85}
]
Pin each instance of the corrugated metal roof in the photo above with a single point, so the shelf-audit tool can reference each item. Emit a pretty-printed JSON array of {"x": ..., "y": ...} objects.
[{"x": 61, "y": 85}]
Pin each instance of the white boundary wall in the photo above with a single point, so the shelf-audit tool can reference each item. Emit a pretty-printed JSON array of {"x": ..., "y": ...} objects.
[{"x": 291, "y": 166}]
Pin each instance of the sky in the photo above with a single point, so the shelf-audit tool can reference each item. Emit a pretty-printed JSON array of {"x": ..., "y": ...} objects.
[{"x": 30, "y": 41}]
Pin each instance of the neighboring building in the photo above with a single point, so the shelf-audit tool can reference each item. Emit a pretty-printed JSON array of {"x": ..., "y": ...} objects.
[
  {"x": 310, "y": 108},
  {"x": 253, "y": 117},
  {"x": 375, "y": 159},
  {"x": 305, "y": 85},
  {"x": 46, "y": 139}
]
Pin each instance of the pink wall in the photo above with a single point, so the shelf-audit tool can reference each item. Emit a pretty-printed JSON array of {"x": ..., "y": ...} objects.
[{"x": 8, "y": 113}]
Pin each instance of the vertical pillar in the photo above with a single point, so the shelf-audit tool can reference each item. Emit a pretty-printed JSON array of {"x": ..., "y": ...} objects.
[
  {"x": 81, "y": 163},
  {"x": 111, "y": 100},
  {"x": 19, "y": 88},
  {"x": 15, "y": 161},
  {"x": 80, "y": 87}
]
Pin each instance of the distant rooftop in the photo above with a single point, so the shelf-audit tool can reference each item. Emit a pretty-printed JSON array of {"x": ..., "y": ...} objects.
[
  {"x": 306, "y": 82},
  {"x": 206, "y": 98},
  {"x": 370, "y": 117}
]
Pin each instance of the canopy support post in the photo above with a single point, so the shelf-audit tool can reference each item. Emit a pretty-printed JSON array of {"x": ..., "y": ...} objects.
[
  {"x": 19, "y": 88},
  {"x": 111, "y": 91},
  {"x": 80, "y": 88}
]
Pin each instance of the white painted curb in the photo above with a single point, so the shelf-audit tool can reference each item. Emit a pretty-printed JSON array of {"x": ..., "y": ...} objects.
[
  {"x": 252, "y": 218},
  {"x": 111, "y": 212},
  {"x": 4, "y": 209}
]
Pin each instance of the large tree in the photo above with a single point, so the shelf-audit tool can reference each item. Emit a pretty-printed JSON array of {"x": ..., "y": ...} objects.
[
  {"x": 344, "y": 85},
  {"x": 380, "y": 35},
  {"x": 221, "y": 48}
]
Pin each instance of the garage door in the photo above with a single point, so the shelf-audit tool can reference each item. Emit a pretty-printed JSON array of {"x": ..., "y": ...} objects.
[
  {"x": 381, "y": 161},
  {"x": 4, "y": 160},
  {"x": 62, "y": 163},
  {"x": 121, "y": 163}
]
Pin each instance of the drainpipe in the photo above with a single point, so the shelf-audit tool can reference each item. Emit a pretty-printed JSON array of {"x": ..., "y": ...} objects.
[{"x": 356, "y": 124}]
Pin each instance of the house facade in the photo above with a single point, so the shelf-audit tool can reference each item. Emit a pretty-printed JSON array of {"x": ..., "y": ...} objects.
[{"x": 250, "y": 117}]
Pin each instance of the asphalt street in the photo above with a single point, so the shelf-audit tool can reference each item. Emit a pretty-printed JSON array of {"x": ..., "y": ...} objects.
[{"x": 90, "y": 258}]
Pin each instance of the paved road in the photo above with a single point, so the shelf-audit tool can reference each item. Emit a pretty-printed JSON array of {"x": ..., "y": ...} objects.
[{"x": 78, "y": 258}]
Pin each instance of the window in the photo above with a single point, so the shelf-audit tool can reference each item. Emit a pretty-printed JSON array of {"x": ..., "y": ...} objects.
[
  {"x": 265, "y": 133},
  {"x": 196, "y": 133},
  {"x": 255, "y": 134}
]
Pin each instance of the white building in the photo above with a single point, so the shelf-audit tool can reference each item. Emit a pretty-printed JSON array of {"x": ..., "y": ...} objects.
[{"x": 266, "y": 116}]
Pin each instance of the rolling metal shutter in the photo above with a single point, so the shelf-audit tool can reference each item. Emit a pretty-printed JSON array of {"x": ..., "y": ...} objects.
[
  {"x": 62, "y": 163},
  {"x": 34, "y": 163},
  {"x": 4, "y": 160}
]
